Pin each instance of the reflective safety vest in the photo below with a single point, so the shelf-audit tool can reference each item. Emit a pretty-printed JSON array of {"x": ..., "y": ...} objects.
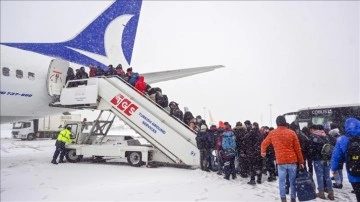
[{"x": 64, "y": 136}]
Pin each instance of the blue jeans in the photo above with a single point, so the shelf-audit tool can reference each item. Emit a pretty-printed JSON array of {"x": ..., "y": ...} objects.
[
  {"x": 339, "y": 177},
  {"x": 284, "y": 169},
  {"x": 322, "y": 171}
]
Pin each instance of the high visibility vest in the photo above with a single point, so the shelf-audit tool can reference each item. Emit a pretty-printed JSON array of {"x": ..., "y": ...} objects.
[{"x": 64, "y": 136}]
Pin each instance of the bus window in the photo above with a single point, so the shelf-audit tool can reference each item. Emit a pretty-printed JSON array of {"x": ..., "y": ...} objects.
[{"x": 303, "y": 124}]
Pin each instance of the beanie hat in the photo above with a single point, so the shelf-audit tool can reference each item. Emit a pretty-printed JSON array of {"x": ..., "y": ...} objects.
[
  {"x": 256, "y": 125},
  {"x": 221, "y": 124},
  {"x": 280, "y": 121}
]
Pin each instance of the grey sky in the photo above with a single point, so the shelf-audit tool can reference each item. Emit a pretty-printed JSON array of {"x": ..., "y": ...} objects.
[{"x": 288, "y": 54}]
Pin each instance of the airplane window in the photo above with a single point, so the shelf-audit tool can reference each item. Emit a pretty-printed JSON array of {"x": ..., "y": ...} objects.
[
  {"x": 6, "y": 71},
  {"x": 31, "y": 76},
  {"x": 19, "y": 74}
]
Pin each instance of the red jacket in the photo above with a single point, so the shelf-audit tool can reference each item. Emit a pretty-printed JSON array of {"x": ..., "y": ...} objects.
[
  {"x": 140, "y": 85},
  {"x": 286, "y": 145}
]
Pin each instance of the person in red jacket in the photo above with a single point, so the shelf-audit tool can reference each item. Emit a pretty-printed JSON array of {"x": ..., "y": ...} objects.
[
  {"x": 140, "y": 85},
  {"x": 288, "y": 155}
]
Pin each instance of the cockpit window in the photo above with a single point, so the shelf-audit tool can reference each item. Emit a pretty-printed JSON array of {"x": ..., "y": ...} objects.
[
  {"x": 6, "y": 71},
  {"x": 31, "y": 76},
  {"x": 19, "y": 74}
]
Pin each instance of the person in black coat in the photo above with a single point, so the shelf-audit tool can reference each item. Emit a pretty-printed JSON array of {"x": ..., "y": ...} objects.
[
  {"x": 204, "y": 144},
  {"x": 253, "y": 153},
  {"x": 240, "y": 132}
]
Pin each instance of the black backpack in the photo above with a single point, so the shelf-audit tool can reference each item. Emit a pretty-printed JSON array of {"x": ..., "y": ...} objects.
[
  {"x": 177, "y": 113},
  {"x": 353, "y": 156}
]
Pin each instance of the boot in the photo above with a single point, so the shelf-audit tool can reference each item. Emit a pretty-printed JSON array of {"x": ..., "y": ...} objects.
[
  {"x": 252, "y": 182},
  {"x": 61, "y": 161},
  {"x": 54, "y": 161},
  {"x": 331, "y": 195},
  {"x": 321, "y": 195},
  {"x": 271, "y": 178},
  {"x": 258, "y": 181},
  {"x": 337, "y": 186},
  {"x": 283, "y": 199},
  {"x": 293, "y": 200},
  {"x": 234, "y": 176}
]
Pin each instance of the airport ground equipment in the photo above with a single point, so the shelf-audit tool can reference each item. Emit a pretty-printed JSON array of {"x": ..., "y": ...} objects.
[
  {"x": 171, "y": 137},
  {"x": 91, "y": 141},
  {"x": 45, "y": 127}
]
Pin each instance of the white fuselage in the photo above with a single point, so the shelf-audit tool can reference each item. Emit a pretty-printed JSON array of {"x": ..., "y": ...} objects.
[{"x": 27, "y": 97}]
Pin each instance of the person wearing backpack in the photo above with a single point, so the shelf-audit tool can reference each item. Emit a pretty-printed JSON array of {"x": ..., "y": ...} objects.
[
  {"x": 347, "y": 149},
  {"x": 320, "y": 150},
  {"x": 229, "y": 146},
  {"x": 288, "y": 155}
]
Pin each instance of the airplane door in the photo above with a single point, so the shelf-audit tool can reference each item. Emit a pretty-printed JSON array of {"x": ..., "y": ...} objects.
[{"x": 56, "y": 76}]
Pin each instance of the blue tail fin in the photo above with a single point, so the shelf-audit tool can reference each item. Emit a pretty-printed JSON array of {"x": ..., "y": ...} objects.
[{"x": 109, "y": 39}]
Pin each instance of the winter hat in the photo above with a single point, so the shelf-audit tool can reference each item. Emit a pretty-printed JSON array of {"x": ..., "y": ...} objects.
[
  {"x": 238, "y": 123},
  {"x": 247, "y": 122},
  {"x": 203, "y": 128},
  {"x": 280, "y": 121},
  {"x": 221, "y": 124}
]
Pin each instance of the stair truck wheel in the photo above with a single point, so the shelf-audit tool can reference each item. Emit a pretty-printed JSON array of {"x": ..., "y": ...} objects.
[
  {"x": 134, "y": 159},
  {"x": 31, "y": 136},
  {"x": 72, "y": 157}
]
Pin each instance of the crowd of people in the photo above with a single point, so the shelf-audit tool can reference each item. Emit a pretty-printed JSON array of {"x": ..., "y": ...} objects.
[{"x": 250, "y": 151}]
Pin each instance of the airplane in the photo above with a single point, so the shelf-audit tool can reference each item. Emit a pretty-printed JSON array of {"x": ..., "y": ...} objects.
[{"x": 109, "y": 39}]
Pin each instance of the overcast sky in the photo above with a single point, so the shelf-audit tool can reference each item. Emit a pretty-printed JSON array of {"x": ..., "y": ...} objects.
[{"x": 288, "y": 54}]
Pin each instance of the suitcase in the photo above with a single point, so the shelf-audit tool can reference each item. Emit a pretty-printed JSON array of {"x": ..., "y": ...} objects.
[{"x": 304, "y": 186}]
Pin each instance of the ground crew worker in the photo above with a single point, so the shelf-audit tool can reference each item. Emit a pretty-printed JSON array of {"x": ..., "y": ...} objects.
[{"x": 63, "y": 137}]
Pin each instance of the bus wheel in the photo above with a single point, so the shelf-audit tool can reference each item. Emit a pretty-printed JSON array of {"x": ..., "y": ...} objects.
[{"x": 72, "y": 157}]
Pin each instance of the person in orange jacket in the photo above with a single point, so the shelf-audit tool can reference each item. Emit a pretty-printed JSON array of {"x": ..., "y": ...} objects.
[{"x": 288, "y": 155}]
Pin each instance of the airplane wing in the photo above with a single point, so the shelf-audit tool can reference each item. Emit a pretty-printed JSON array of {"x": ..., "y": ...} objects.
[{"x": 155, "y": 77}]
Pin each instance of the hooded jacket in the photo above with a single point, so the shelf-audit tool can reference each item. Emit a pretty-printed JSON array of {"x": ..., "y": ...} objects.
[
  {"x": 352, "y": 128},
  {"x": 140, "y": 85}
]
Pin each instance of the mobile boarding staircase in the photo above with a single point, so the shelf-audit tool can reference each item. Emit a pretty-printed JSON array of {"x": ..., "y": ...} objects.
[{"x": 169, "y": 135}]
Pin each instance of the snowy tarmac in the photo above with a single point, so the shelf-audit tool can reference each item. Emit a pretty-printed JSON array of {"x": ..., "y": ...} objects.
[{"x": 28, "y": 175}]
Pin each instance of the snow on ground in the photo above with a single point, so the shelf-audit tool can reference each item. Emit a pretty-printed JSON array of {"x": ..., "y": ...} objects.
[{"x": 28, "y": 175}]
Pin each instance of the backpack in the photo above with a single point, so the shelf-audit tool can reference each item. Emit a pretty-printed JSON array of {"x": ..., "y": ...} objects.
[
  {"x": 177, "y": 113},
  {"x": 187, "y": 117},
  {"x": 327, "y": 151},
  {"x": 161, "y": 99},
  {"x": 353, "y": 156},
  {"x": 133, "y": 78},
  {"x": 228, "y": 143}
]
